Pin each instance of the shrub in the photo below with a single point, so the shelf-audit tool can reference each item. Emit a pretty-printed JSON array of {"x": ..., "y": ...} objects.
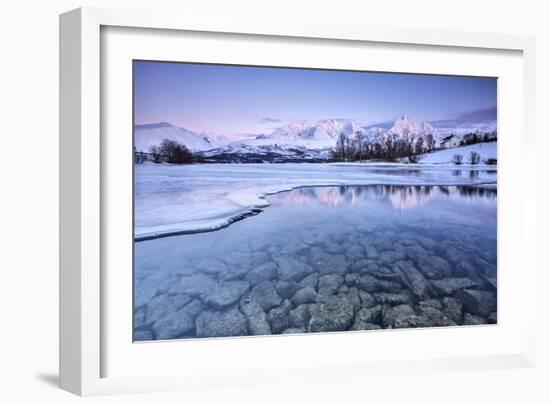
[
  {"x": 415, "y": 158},
  {"x": 474, "y": 158},
  {"x": 457, "y": 159},
  {"x": 174, "y": 152},
  {"x": 139, "y": 157},
  {"x": 156, "y": 154}
]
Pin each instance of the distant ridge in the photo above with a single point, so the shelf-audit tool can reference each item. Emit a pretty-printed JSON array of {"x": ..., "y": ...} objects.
[{"x": 158, "y": 125}]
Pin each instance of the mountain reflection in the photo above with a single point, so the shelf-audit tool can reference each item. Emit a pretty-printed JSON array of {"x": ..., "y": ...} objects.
[{"x": 398, "y": 196}]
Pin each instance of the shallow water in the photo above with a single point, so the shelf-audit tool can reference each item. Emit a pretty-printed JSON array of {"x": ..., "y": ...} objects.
[{"x": 332, "y": 258}]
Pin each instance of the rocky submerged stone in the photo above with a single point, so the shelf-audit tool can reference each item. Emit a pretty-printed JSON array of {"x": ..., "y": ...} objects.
[
  {"x": 310, "y": 280},
  {"x": 388, "y": 257},
  {"x": 416, "y": 252},
  {"x": 304, "y": 296},
  {"x": 452, "y": 309},
  {"x": 466, "y": 270},
  {"x": 278, "y": 316},
  {"x": 366, "y": 317},
  {"x": 329, "y": 283},
  {"x": 225, "y": 293},
  {"x": 352, "y": 295},
  {"x": 210, "y": 266},
  {"x": 492, "y": 281},
  {"x": 178, "y": 324},
  {"x": 354, "y": 253},
  {"x": 265, "y": 272},
  {"x": 139, "y": 318},
  {"x": 400, "y": 316},
  {"x": 332, "y": 313},
  {"x": 343, "y": 289},
  {"x": 145, "y": 292},
  {"x": 217, "y": 324},
  {"x": 256, "y": 317},
  {"x": 405, "y": 297},
  {"x": 431, "y": 315},
  {"x": 299, "y": 317},
  {"x": 477, "y": 302},
  {"x": 290, "y": 269},
  {"x": 294, "y": 330},
  {"x": 367, "y": 283},
  {"x": 286, "y": 289},
  {"x": 372, "y": 253},
  {"x": 470, "y": 319},
  {"x": 265, "y": 295},
  {"x": 195, "y": 285},
  {"x": 434, "y": 267},
  {"x": 163, "y": 305},
  {"x": 143, "y": 335},
  {"x": 450, "y": 285},
  {"x": 238, "y": 259},
  {"x": 328, "y": 263},
  {"x": 351, "y": 279},
  {"x": 413, "y": 278},
  {"x": 367, "y": 299}
]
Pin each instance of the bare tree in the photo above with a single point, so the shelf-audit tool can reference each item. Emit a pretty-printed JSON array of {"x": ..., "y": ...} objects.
[
  {"x": 430, "y": 142},
  {"x": 419, "y": 146},
  {"x": 474, "y": 158},
  {"x": 415, "y": 158},
  {"x": 341, "y": 147},
  {"x": 359, "y": 145},
  {"x": 156, "y": 154},
  {"x": 457, "y": 159}
]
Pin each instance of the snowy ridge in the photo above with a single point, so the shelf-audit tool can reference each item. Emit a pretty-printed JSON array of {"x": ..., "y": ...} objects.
[
  {"x": 300, "y": 141},
  {"x": 149, "y": 135},
  {"x": 303, "y": 141}
]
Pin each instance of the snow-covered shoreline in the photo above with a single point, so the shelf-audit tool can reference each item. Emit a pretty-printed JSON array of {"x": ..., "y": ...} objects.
[{"x": 178, "y": 199}]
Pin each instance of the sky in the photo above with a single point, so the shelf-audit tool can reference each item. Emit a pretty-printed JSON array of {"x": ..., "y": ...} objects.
[{"x": 239, "y": 100}]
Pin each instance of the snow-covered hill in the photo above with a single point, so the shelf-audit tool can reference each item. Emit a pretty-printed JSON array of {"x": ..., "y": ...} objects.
[
  {"x": 149, "y": 135},
  {"x": 485, "y": 150}
]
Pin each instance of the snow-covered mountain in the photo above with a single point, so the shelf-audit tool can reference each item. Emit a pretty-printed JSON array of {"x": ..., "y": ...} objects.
[
  {"x": 244, "y": 152},
  {"x": 408, "y": 128},
  {"x": 149, "y": 135},
  {"x": 306, "y": 141},
  {"x": 299, "y": 141},
  {"x": 319, "y": 136}
]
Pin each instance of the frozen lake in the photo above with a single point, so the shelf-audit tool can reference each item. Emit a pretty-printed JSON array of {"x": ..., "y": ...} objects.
[
  {"x": 186, "y": 198},
  {"x": 418, "y": 252}
]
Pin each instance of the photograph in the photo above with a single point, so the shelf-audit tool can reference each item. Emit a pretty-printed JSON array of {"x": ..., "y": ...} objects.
[{"x": 272, "y": 200}]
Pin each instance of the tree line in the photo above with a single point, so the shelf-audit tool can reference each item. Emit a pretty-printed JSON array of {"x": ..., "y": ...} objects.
[
  {"x": 391, "y": 148},
  {"x": 479, "y": 137},
  {"x": 168, "y": 151}
]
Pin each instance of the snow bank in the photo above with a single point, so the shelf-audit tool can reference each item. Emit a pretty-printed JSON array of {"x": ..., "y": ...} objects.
[
  {"x": 171, "y": 199},
  {"x": 485, "y": 150}
]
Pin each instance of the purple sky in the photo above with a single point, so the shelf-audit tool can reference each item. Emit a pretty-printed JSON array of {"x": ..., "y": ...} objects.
[{"x": 236, "y": 100}]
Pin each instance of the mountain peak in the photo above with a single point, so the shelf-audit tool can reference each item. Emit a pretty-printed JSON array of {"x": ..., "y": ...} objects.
[{"x": 408, "y": 126}]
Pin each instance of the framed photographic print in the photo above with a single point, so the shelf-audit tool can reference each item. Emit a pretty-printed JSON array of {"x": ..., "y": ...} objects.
[{"x": 235, "y": 199}]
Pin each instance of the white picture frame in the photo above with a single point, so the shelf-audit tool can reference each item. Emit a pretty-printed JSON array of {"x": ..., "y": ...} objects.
[{"x": 83, "y": 173}]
